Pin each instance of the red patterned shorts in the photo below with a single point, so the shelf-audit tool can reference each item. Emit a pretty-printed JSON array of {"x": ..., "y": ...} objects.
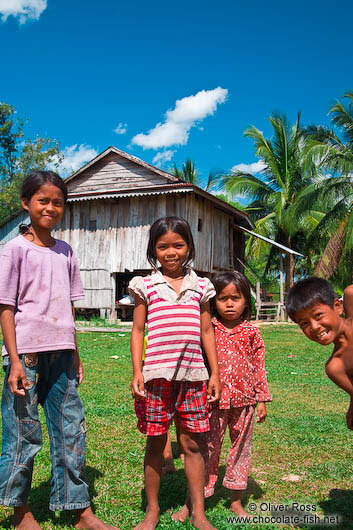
[{"x": 183, "y": 401}]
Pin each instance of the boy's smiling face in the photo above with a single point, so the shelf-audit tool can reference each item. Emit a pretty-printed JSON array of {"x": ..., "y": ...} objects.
[{"x": 320, "y": 322}]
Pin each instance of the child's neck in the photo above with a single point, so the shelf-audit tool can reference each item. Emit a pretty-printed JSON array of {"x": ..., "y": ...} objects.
[
  {"x": 230, "y": 324},
  {"x": 174, "y": 275},
  {"x": 42, "y": 238}
]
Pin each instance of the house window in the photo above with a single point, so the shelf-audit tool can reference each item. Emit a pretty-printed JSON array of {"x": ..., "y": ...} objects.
[{"x": 199, "y": 225}]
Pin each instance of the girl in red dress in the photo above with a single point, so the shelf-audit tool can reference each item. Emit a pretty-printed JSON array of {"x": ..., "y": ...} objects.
[{"x": 240, "y": 351}]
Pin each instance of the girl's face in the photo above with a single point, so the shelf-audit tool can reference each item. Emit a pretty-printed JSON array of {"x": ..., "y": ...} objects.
[
  {"x": 230, "y": 304},
  {"x": 45, "y": 207},
  {"x": 171, "y": 252}
]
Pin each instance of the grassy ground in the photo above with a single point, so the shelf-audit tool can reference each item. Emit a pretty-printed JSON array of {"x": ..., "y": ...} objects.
[{"x": 305, "y": 435}]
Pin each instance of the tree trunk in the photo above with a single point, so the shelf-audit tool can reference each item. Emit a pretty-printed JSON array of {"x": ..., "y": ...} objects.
[
  {"x": 289, "y": 267},
  {"x": 331, "y": 256}
]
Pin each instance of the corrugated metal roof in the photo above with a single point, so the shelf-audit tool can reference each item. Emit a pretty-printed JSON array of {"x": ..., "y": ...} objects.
[
  {"x": 116, "y": 194},
  {"x": 272, "y": 242}
]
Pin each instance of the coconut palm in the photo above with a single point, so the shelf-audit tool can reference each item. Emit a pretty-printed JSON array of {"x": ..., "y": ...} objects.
[
  {"x": 189, "y": 173},
  {"x": 334, "y": 194},
  {"x": 277, "y": 187}
]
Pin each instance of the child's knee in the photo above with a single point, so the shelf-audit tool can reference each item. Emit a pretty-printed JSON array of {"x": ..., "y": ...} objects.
[
  {"x": 156, "y": 444},
  {"x": 190, "y": 443}
]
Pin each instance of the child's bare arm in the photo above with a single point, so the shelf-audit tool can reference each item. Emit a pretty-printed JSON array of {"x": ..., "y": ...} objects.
[
  {"x": 335, "y": 370},
  {"x": 348, "y": 301},
  {"x": 209, "y": 345},
  {"x": 17, "y": 374},
  {"x": 137, "y": 336},
  {"x": 337, "y": 373},
  {"x": 77, "y": 358},
  {"x": 349, "y": 416}
]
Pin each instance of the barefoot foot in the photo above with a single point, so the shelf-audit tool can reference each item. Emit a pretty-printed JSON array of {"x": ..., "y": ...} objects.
[
  {"x": 201, "y": 523},
  {"x": 86, "y": 520},
  {"x": 23, "y": 518},
  {"x": 181, "y": 515},
  {"x": 150, "y": 520},
  {"x": 237, "y": 508}
]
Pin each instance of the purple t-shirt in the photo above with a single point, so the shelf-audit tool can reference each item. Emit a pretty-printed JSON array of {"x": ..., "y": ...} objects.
[{"x": 41, "y": 283}]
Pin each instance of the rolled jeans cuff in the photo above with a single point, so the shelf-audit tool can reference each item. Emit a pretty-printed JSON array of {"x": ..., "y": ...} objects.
[
  {"x": 72, "y": 506},
  {"x": 8, "y": 501}
]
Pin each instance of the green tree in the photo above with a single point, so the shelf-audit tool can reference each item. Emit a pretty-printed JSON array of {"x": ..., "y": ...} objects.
[
  {"x": 334, "y": 195},
  {"x": 18, "y": 156},
  {"x": 272, "y": 193},
  {"x": 189, "y": 173}
]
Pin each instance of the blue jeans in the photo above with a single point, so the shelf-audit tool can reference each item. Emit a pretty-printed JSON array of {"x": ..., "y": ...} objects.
[{"x": 54, "y": 386}]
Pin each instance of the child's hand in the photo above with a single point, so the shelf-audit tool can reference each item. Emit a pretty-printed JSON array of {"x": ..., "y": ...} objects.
[
  {"x": 349, "y": 417},
  {"x": 138, "y": 386},
  {"x": 261, "y": 412},
  {"x": 18, "y": 382},
  {"x": 79, "y": 367},
  {"x": 213, "y": 389}
]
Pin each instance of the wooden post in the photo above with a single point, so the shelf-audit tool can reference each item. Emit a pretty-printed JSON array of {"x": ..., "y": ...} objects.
[
  {"x": 113, "y": 312},
  {"x": 258, "y": 300},
  {"x": 281, "y": 285}
]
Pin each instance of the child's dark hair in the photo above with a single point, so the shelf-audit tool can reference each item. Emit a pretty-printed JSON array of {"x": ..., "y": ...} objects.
[
  {"x": 161, "y": 227},
  {"x": 32, "y": 183},
  {"x": 307, "y": 292},
  {"x": 220, "y": 280}
]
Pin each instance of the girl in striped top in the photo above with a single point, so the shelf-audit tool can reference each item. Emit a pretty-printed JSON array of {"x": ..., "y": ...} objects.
[{"x": 174, "y": 302}]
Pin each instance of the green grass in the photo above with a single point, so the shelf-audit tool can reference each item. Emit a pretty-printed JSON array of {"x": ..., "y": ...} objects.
[{"x": 304, "y": 435}]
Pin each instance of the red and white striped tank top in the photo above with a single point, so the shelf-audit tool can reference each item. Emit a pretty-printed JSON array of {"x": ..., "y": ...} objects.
[{"x": 174, "y": 341}]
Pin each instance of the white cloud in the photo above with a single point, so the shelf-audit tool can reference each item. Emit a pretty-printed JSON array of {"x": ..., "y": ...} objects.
[
  {"x": 74, "y": 157},
  {"x": 255, "y": 167},
  {"x": 178, "y": 122},
  {"x": 24, "y": 9},
  {"x": 121, "y": 128},
  {"x": 162, "y": 157}
]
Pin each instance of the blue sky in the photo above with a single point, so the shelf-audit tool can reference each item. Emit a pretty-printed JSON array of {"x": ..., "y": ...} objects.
[{"x": 82, "y": 70}]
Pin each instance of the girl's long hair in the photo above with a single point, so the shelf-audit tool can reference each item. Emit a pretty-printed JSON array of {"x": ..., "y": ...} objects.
[
  {"x": 173, "y": 224},
  {"x": 220, "y": 280},
  {"x": 33, "y": 182}
]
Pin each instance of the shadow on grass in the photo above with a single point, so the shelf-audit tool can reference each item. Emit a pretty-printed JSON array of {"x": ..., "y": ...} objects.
[
  {"x": 340, "y": 503},
  {"x": 39, "y": 501},
  {"x": 173, "y": 488}
]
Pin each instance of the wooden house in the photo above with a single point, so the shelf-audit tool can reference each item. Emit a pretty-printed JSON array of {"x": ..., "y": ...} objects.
[{"x": 113, "y": 200}]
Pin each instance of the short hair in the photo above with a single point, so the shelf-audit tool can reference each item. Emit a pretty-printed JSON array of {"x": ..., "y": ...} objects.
[
  {"x": 161, "y": 227},
  {"x": 307, "y": 292},
  {"x": 36, "y": 178},
  {"x": 220, "y": 280}
]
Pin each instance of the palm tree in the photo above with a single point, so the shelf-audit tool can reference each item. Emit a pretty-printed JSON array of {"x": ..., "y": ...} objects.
[
  {"x": 188, "y": 171},
  {"x": 190, "y": 174},
  {"x": 334, "y": 194},
  {"x": 276, "y": 188}
]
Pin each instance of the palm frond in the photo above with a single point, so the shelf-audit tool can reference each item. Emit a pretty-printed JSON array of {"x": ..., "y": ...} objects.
[
  {"x": 240, "y": 183},
  {"x": 343, "y": 117},
  {"x": 331, "y": 256},
  {"x": 214, "y": 180}
]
